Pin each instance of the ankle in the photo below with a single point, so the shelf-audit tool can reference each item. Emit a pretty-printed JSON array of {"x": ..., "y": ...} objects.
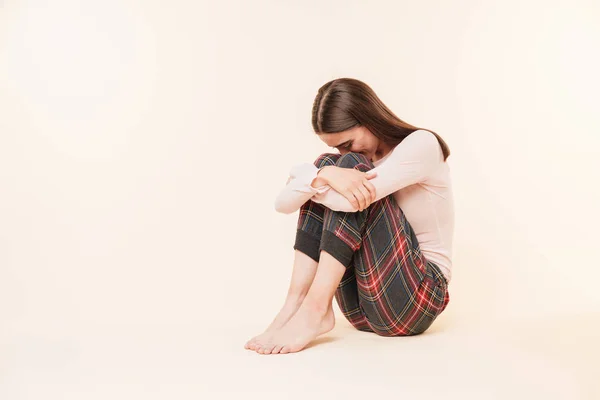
[
  {"x": 320, "y": 307},
  {"x": 294, "y": 299}
]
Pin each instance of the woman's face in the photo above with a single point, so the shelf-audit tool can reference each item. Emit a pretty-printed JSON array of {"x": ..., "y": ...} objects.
[{"x": 357, "y": 140}]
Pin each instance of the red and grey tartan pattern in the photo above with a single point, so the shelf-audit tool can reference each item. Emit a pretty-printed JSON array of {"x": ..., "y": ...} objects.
[{"x": 389, "y": 287}]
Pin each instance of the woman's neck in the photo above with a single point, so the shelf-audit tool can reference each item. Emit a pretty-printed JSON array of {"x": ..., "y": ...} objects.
[{"x": 382, "y": 153}]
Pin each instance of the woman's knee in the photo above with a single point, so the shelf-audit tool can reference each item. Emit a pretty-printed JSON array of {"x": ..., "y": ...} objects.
[
  {"x": 326, "y": 159},
  {"x": 350, "y": 160}
]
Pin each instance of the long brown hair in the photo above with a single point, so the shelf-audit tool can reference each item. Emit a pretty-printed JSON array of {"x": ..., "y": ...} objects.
[{"x": 344, "y": 103}]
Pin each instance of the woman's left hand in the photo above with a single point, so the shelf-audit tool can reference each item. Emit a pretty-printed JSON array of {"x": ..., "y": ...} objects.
[{"x": 351, "y": 183}]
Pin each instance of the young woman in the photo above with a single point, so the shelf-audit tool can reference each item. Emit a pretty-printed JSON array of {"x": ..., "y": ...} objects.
[{"x": 375, "y": 225}]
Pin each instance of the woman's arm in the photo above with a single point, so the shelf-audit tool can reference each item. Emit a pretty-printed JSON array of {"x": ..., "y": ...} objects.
[
  {"x": 303, "y": 183},
  {"x": 412, "y": 161}
]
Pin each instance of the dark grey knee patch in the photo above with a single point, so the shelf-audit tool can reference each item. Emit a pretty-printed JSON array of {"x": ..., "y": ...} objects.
[
  {"x": 326, "y": 159},
  {"x": 350, "y": 160}
]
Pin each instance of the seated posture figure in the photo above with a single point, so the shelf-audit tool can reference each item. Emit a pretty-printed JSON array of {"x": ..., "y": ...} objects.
[{"x": 375, "y": 224}]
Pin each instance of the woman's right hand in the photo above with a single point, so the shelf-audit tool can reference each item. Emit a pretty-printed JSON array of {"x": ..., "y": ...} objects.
[{"x": 351, "y": 183}]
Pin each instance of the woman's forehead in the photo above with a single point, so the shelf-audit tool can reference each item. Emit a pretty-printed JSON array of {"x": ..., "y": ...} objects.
[{"x": 338, "y": 138}]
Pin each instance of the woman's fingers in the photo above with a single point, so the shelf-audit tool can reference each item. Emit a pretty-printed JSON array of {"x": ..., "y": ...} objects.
[
  {"x": 366, "y": 195},
  {"x": 351, "y": 198},
  {"x": 370, "y": 175},
  {"x": 371, "y": 188},
  {"x": 360, "y": 197},
  {"x": 361, "y": 193}
]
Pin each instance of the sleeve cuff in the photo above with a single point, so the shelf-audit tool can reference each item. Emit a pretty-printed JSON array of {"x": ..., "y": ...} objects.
[{"x": 302, "y": 176}]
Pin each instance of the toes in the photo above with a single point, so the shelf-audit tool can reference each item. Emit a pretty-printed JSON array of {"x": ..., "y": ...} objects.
[
  {"x": 256, "y": 345},
  {"x": 248, "y": 343},
  {"x": 268, "y": 348},
  {"x": 276, "y": 349},
  {"x": 285, "y": 350}
]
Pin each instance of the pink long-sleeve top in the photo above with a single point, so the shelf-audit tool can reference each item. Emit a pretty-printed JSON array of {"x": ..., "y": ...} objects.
[{"x": 415, "y": 172}]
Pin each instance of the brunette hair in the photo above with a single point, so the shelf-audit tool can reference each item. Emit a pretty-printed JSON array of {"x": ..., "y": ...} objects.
[{"x": 344, "y": 103}]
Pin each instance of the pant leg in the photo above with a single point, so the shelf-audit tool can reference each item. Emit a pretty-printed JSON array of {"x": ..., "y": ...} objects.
[
  {"x": 391, "y": 288},
  {"x": 310, "y": 217},
  {"x": 343, "y": 231},
  {"x": 309, "y": 235},
  {"x": 320, "y": 228}
]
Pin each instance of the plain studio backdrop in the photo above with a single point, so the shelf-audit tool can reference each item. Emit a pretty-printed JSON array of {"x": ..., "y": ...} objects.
[{"x": 143, "y": 143}]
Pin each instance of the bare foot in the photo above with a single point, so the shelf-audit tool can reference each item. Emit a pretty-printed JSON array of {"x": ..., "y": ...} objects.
[
  {"x": 305, "y": 325},
  {"x": 284, "y": 315}
]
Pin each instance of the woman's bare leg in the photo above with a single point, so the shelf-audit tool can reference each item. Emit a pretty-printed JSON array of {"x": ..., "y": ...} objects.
[
  {"x": 303, "y": 274},
  {"x": 315, "y": 315}
]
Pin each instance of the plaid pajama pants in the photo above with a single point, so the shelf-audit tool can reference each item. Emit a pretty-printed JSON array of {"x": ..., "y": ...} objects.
[{"x": 389, "y": 287}]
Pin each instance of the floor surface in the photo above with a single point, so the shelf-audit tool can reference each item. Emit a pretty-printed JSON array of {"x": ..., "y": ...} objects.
[{"x": 510, "y": 359}]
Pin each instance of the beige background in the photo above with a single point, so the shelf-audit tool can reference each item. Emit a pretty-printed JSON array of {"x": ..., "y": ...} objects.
[{"x": 142, "y": 145}]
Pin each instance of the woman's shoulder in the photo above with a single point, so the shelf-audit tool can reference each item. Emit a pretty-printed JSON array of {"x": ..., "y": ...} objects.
[
  {"x": 421, "y": 141},
  {"x": 420, "y": 145}
]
